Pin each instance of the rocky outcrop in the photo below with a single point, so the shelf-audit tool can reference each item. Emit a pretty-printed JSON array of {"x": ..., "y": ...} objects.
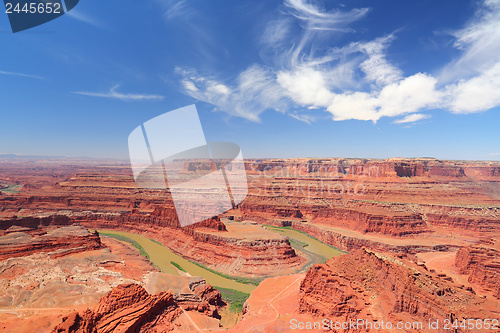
[
  {"x": 126, "y": 308},
  {"x": 130, "y": 308},
  {"x": 58, "y": 242},
  {"x": 482, "y": 263},
  {"x": 461, "y": 222},
  {"x": 190, "y": 293},
  {"x": 376, "y": 287}
]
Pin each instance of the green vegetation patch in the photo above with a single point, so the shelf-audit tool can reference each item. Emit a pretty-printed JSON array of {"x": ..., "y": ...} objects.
[
  {"x": 298, "y": 243},
  {"x": 138, "y": 246},
  {"x": 234, "y": 298},
  {"x": 239, "y": 279},
  {"x": 284, "y": 229},
  {"x": 11, "y": 188},
  {"x": 155, "y": 241},
  {"x": 178, "y": 266}
]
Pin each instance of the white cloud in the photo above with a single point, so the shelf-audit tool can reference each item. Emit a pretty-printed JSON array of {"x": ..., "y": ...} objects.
[
  {"x": 358, "y": 105},
  {"x": 412, "y": 118},
  {"x": 22, "y": 75},
  {"x": 117, "y": 95},
  {"x": 376, "y": 67},
  {"x": 306, "y": 86},
  {"x": 276, "y": 32},
  {"x": 479, "y": 42},
  {"x": 309, "y": 88},
  {"x": 254, "y": 91},
  {"x": 356, "y": 81},
  {"x": 477, "y": 94},
  {"x": 473, "y": 80},
  {"x": 409, "y": 95},
  {"x": 313, "y": 18}
]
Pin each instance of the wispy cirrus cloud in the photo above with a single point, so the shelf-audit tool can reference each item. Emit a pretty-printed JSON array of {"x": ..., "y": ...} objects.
[
  {"x": 85, "y": 18},
  {"x": 314, "y": 18},
  {"x": 176, "y": 8},
  {"x": 114, "y": 94},
  {"x": 355, "y": 81},
  {"x": 80, "y": 15},
  {"x": 412, "y": 118},
  {"x": 254, "y": 91},
  {"x": 22, "y": 75},
  {"x": 376, "y": 67},
  {"x": 477, "y": 87}
]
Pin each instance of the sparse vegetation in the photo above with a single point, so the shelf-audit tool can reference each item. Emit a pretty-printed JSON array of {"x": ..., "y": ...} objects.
[
  {"x": 281, "y": 229},
  {"x": 176, "y": 265},
  {"x": 10, "y": 188},
  {"x": 234, "y": 298},
  {"x": 239, "y": 279},
  {"x": 155, "y": 241},
  {"x": 132, "y": 242},
  {"x": 298, "y": 243}
]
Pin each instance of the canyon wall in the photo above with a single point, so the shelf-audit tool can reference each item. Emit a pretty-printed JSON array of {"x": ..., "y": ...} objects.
[
  {"x": 59, "y": 242},
  {"x": 379, "y": 287},
  {"x": 482, "y": 263}
]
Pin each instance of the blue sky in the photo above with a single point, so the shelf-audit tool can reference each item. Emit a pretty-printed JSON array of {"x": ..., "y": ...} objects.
[{"x": 289, "y": 78}]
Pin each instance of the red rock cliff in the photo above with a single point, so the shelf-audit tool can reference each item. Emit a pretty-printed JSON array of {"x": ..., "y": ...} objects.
[
  {"x": 129, "y": 308},
  {"x": 375, "y": 287},
  {"x": 482, "y": 263}
]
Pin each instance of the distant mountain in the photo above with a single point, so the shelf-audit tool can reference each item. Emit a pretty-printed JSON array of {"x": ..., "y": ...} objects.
[{"x": 16, "y": 156}]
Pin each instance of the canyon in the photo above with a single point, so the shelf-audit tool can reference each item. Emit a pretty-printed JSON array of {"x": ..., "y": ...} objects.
[{"x": 427, "y": 229}]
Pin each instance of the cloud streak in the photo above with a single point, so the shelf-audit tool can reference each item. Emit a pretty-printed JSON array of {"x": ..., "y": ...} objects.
[
  {"x": 78, "y": 15},
  {"x": 355, "y": 81},
  {"x": 112, "y": 93},
  {"x": 22, "y": 75},
  {"x": 313, "y": 18},
  {"x": 412, "y": 118}
]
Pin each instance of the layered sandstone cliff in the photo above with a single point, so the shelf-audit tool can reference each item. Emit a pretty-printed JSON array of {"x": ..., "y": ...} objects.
[
  {"x": 58, "y": 242},
  {"x": 393, "y": 167},
  {"x": 482, "y": 263},
  {"x": 33, "y": 222},
  {"x": 377, "y": 287}
]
